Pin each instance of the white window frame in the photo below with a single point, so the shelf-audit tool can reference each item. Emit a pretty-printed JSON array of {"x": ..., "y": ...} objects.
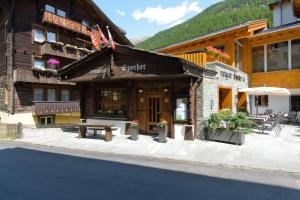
[
  {"x": 40, "y": 59},
  {"x": 51, "y": 32},
  {"x": 46, "y": 119},
  {"x": 34, "y": 33},
  {"x": 289, "y": 56}
]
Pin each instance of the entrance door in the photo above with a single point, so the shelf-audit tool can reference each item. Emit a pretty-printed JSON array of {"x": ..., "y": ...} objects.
[
  {"x": 154, "y": 109},
  {"x": 225, "y": 98}
]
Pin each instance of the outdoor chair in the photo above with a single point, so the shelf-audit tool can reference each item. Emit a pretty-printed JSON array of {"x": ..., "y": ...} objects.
[
  {"x": 292, "y": 117},
  {"x": 268, "y": 112},
  {"x": 271, "y": 125},
  {"x": 298, "y": 118}
]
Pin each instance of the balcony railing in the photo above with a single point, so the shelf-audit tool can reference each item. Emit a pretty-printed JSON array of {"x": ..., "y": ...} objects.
[
  {"x": 29, "y": 75},
  {"x": 58, "y": 107},
  {"x": 59, "y": 50},
  {"x": 200, "y": 58},
  {"x": 65, "y": 23}
]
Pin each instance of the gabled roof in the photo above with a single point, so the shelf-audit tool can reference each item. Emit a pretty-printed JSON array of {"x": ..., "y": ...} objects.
[
  {"x": 284, "y": 27},
  {"x": 121, "y": 33},
  {"x": 277, "y": 3},
  {"x": 190, "y": 68},
  {"x": 211, "y": 34}
]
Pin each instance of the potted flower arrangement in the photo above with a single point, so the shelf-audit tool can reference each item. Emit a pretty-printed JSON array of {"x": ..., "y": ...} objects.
[
  {"x": 53, "y": 63},
  {"x": 162, "y": 131},
  {"x": 213, "y": 52},
  {"x": 134, "y": 130},
  {"x": 228, "y": 127}
]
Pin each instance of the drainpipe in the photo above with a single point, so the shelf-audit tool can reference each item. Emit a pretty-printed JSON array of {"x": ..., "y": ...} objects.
[{"x": 10, "y": 70}]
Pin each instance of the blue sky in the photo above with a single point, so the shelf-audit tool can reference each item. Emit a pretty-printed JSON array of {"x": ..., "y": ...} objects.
[{"x": 140, "y": 18}]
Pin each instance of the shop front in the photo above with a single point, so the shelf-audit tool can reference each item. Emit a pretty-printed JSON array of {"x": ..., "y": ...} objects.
[{"x": 127, "y": 84}]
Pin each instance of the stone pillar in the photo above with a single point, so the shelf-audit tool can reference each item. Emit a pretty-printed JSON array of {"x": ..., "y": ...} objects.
[{"x": 207, "y": 101}]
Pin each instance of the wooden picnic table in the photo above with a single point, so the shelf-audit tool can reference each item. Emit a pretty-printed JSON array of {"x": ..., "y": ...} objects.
[{"x": 107, "y": 128}]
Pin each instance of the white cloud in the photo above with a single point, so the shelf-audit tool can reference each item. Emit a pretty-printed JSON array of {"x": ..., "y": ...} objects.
[
  {"x": 175, "y": 23},
  {"x": 121, "y": 13},
  {"x": 169, "y": 15}
]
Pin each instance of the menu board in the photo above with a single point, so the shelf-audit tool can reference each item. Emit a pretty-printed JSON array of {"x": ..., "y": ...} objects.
[{"x": 181, "y": 109}]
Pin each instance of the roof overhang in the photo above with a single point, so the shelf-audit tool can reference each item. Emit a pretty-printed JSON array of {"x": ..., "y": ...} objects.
[
  {"x": 249, "y": 26},
  {"x": 121, "y": 33},
  {"x": 277, "y": 3},
  {"x": 184, "y": 67}
]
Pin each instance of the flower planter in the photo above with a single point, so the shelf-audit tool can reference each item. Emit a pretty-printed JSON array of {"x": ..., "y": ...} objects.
[
  {"x": 134, "y": 133},
  {"x": 223, "y": 135},
  {"x": 162, "y": 134}
]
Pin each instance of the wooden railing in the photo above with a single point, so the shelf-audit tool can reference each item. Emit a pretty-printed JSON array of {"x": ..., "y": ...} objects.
[
  {"x": 62, "y": 51},
  {"x": 58, "y": 107},
  {"x": 29, "y": 75},
  {"x": 199, "y": 58},
  {"x": 65, "y": 23}
]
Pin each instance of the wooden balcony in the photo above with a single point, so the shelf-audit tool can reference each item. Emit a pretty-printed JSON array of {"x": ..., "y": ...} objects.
[
  {"x": 65, "y": 23},
  {"x": 62, "y": 51},
  {"x": 53, "y": 108},
  {"x": 27, "y": 75},
  {"x": 199, "y": 58}
]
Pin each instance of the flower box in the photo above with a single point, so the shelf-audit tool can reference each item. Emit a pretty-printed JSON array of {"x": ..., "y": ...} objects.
[{"x": 224, "y": 135}]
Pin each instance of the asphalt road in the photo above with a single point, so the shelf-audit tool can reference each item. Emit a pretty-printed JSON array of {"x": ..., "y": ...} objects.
[{"x": 36, "y": 172}]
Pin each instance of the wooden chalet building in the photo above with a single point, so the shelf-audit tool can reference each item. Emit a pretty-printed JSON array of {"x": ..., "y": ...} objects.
[
  {"x": 127, "y": 84},
  {"x": 269, "y": 56},
  {"x": 37, "y": 38}
]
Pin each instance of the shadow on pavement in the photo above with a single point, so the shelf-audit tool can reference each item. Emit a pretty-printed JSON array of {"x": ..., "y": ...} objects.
[{"x": 31, "y": 174}]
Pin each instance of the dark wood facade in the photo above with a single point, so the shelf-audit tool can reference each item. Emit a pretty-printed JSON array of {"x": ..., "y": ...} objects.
[
  {"x": 18, "y": 50},
  {"x": 130, "y": 84}
]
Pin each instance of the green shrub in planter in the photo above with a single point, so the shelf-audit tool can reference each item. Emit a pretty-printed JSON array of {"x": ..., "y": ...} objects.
[{"x": 228, "y": 127}]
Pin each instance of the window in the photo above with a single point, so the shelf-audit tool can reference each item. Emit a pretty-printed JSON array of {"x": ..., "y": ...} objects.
[
  {"x": 262, "y": 101},
  {"x": 38, "y": 94},
  {"x": 61, "y": 13},
  {"x": 54, "y": 10},
  {"x": 277, "y": 56},
  {"x": 85, "y": 22},
  {"x": 112, "y": 102},
  {"x": 239, "y": 56},
  {"x": 51, "y": 37},
  {"x": 39, "y": 63},
  {"x": 50, "y": 8},
  {"x": 65, "y": 95},
  {"x": 220, "y": 48},
  {"x": 295, "y": 103},
  {"x": 296, "y": 54},
  {"x": 51, "y": 95},
  {"x": 39, "y": 35},
  {"x": 46, "y": 120},
  {"x": 181, "y": 109},
  {"x": 258, "y": 59}
]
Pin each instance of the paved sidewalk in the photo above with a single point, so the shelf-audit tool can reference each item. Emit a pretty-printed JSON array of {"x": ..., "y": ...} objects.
[{"x": 260, "y": 151}]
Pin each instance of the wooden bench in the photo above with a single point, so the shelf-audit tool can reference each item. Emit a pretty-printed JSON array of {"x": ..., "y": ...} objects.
[{"x": 108, "y": 130}]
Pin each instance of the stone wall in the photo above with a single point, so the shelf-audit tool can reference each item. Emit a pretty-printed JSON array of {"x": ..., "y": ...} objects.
[{"x": 208, "y": 92}]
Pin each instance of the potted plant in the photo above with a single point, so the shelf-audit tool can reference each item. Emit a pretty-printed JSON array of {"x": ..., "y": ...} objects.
[
  {"x": 134, "y": 130},
  {"x": 53, "y": 63},
  {"x": 228, "y": 127},
  {"x": 162, "y": 131}
]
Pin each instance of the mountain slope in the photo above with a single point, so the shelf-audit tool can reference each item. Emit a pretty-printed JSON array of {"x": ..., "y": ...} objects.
[{"x": 217, "y": 16}]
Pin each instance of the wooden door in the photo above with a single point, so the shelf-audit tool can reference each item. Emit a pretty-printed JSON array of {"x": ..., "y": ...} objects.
[{"x": 154, "y": 112}]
